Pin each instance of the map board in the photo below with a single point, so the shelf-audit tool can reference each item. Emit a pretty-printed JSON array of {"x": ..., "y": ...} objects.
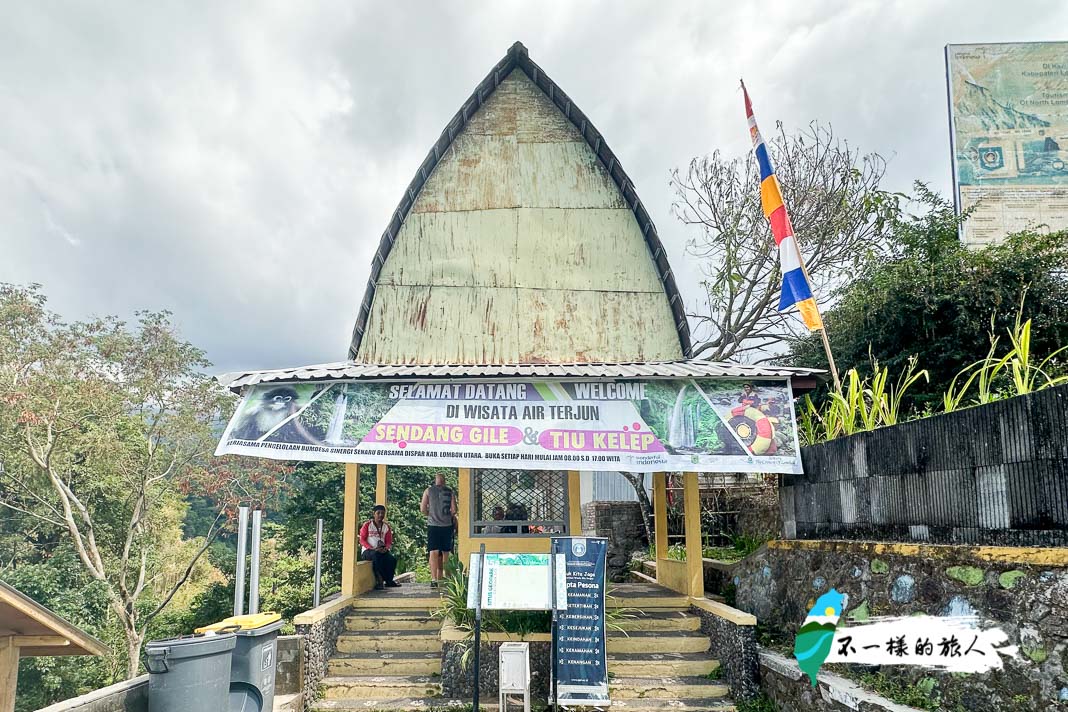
[
  {"x": 517, "y": 582},
  {"x": 1008, "y": 106}
]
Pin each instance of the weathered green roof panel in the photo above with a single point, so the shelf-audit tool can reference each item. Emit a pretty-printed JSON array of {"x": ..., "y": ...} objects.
[{"x": 520, "y": 245}]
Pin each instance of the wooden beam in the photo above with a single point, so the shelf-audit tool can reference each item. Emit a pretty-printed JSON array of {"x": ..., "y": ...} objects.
[
  {"x": 349, "y": 543},
  {"x": 694, "y": 561},
  {"x": 574, "y": 503},
  {"x": 660, "y": 532},
  {"x": 381, "y": 489},
  {"x": 463, "y": 515},
  {"x": 39, "y": 641},
  {"x": 9, "y": 674}
]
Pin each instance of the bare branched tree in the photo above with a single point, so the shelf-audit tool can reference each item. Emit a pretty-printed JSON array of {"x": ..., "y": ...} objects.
[{"x": 838, "y": 213}]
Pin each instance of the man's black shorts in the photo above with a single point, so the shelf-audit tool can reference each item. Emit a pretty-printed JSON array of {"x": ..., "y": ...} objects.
[{"x": 438, "y": 538}]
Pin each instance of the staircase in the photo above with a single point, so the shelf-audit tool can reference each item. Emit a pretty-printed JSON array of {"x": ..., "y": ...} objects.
[
  {"x": 389, "y": 656},
  {"x": 662, "y": 659}
]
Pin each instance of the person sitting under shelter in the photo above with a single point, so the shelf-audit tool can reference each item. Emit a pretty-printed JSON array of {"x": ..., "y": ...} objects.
[{"x": 376, "y": 538}]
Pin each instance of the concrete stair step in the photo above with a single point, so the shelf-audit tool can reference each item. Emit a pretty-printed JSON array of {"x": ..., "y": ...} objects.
[
  {"x": 671, "y": 664},
  {"x": 403, "y": 619},
  {"x": 387, "y": 601},
  {"x": 649, "y": 568},
  {"x": 654, "y": 641},
  {"x": 370, "y": 663},
  {"x": 390, "y": 641},
  {"x": 639, "y": 577},
  {"x": 646, "y": 596},
  {"x": 659, "y": 620},
  {"x": 490, "y": 704},
  {"x": 382, "y": 687},
  {"x": 666, "y": 688}
]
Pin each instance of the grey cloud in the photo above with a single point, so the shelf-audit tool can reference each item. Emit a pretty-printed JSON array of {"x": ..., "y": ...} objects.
[{"x": 237, "y": 163}]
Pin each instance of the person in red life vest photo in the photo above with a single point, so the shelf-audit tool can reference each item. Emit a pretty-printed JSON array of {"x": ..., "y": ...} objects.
[{"x": 376, "y": 539}]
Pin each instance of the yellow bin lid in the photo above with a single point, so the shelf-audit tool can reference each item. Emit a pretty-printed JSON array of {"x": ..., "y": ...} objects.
[{"x": 249, "y": 622}]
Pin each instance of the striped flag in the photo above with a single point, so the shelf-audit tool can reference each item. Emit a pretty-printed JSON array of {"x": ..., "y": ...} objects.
[{"x": 795, "y": 286}]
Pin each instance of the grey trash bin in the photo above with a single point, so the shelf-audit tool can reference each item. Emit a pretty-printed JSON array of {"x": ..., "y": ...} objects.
[
  {"x": 254, "y": 662},
  {"x": 189, "y": 673}
]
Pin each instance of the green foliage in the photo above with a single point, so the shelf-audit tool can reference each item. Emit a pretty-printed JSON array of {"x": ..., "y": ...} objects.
[
  {"x": 1018, "y": 372},
  {"x": 932, "y": 298},
  {"x": 742, "y": 545},
  {"x": 759, "y": 704},
  {"x": 60, "y": 584},
  {"x": 862, "y": 404},
  {"x": 922, "y": 694},
  {"x": 106, "y": 431}
]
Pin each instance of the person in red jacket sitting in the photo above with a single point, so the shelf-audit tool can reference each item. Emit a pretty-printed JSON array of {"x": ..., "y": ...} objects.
[{"x": 376, "y": 538}]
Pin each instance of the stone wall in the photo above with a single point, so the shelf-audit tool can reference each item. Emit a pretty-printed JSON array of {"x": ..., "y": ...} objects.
[
  {"x": 289, "y": 672},
  {"x": 458, "y": 681},
  {"x": 621, "y": 524},
  {"x": 126, "y": 696},
  {"x": 786, "y": 686},
  {"x": 1022, "y": 591},
  {"x": 320, "y": 643},
  {"x": 734, "y": 644},
  {"x": 996, "y": 474}
]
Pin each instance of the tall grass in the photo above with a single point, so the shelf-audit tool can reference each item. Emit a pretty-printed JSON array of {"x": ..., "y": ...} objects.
[{"x": 861, "y": 404}]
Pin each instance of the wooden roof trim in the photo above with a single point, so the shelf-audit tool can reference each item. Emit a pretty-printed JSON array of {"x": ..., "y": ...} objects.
[
  {"x": 81, "y": 643},
  {"x": 518, "y": 58}
]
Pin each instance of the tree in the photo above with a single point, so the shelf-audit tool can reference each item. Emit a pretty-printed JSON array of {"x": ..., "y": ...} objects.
[
  {"x": 838, "y": 214},
  {"x": 932, "y": 297},
  {"x": 103, "y": 429}
]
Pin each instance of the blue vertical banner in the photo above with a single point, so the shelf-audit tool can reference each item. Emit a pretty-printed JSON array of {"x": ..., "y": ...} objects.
[{"x": 581, "y": 672}]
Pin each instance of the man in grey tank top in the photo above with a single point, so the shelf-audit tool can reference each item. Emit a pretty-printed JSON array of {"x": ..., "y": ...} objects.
[{"x": 439, "y": 506}]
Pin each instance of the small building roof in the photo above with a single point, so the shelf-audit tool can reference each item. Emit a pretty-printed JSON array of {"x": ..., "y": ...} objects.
[
  {"x": 22, "y": 617},
  {"x": 802, "y": 378}
]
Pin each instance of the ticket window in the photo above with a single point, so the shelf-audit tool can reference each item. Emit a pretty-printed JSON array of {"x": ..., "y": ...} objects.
[{"x": 519, "y": 503}]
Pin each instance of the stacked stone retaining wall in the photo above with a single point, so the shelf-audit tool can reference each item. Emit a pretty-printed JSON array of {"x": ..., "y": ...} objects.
[{"x": 1024, "y": 592}]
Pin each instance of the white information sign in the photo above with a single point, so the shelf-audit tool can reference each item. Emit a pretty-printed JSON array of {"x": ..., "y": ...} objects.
[{"x": 517, "y": 582}]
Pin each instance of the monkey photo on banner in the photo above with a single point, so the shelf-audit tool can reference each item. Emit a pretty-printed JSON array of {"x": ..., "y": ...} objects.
[{"x": 273, "y": 407}]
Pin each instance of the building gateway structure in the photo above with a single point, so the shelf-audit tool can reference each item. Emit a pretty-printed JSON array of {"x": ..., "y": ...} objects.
[{"x": 522, "y": 324}]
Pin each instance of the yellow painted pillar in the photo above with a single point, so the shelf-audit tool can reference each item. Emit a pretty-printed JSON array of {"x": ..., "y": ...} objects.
[
  {"x": 381, "y": 491},
  {"x": 574, "y": 504},
  {"x": 463, "y": 516},
  {"x": 349, "y": 544},
  {"x": 9, "y": 673},
  {"x": 660, "y": 525},
  {"x": 695, "y": 569}
]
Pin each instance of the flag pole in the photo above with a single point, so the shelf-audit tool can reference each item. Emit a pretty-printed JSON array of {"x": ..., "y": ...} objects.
[
  {"x": 823, "y": 330},
  {"x": 800, "y": 260}
]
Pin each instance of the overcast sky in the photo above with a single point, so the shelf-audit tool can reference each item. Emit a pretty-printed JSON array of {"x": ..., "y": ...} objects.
[{"x": 236, "y": 163}]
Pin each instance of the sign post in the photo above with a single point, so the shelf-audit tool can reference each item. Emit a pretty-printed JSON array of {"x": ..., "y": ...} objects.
[
  {"x": 580, "y": 662},
  {"x": 478, "y": 618}
]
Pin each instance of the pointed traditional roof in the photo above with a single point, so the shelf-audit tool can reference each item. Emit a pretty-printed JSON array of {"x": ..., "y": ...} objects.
[{"x": 521, "y": 239}]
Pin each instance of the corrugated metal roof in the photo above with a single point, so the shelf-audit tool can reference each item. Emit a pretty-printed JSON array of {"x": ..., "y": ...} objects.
[
  {"x": 351, "y": 370},
  {"x": 518, "y": 58}
]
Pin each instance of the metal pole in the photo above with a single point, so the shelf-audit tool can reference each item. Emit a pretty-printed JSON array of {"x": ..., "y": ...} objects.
[
  {"x": 254, "y": 574},
  {"x": 555, "y": 639},
  {"x": 239, "y": 576},
  {"x": 478, "y": 618},
  {"x": 318, "y": 560}
]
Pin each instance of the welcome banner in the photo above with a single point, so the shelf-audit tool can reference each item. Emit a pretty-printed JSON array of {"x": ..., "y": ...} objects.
[{"x": 703, "y": 425}]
